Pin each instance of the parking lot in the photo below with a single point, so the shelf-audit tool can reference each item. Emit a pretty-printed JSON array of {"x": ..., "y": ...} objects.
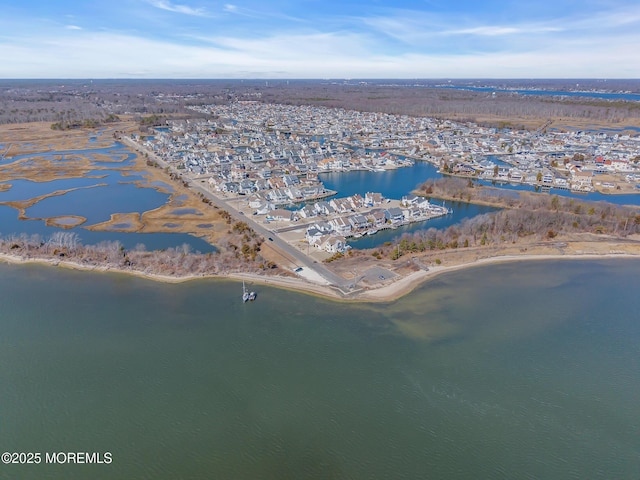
[{"x": 376, "y": 275}]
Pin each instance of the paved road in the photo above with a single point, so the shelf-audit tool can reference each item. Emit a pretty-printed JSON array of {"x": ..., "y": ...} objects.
[{"x": 294, "y": 255}]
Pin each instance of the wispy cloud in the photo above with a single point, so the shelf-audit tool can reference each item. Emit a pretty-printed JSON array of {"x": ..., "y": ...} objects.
[
  {"x": 317, "y": 56},
  {"x": 497, "y": 30},
  {"x": 259, "y": 14},
  {"x": 235, "y": 10},
  {"x": 176, "y": 8},
  {"x": 311, "y": 39},
  {"x": 416, "y": 28}
]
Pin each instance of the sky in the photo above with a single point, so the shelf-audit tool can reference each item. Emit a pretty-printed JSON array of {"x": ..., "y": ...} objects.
[{"x": 320, "y": 39}]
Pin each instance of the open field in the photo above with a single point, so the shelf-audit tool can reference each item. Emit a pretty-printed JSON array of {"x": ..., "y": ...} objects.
[{"x": 38, "y": 137}]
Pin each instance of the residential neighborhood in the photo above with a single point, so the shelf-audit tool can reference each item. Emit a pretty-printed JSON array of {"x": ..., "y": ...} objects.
[
  {"x": 276, "y": 152},
  {"x": 269, "y": 157}
]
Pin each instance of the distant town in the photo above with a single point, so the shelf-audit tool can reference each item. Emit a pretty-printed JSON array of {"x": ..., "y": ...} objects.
[{"x": 269, "y": 157}]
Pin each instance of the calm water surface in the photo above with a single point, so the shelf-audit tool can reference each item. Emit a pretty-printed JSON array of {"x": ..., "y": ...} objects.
[
  {"x": 395, "y": 184},
  {"x": 95, "y": 197},
  {"x": 518, "y": 371},
  {"x": 548, "y": 93}
]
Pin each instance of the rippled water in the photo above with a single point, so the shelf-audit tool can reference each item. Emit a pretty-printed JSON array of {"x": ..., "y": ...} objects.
[{"x": 519, "y": 371}]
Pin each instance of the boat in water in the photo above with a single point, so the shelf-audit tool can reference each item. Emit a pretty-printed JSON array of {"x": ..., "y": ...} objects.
[{"x": 247, "y": 295}]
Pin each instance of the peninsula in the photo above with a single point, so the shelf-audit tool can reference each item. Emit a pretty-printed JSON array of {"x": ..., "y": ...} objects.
[{"x": 247, "y": 176}]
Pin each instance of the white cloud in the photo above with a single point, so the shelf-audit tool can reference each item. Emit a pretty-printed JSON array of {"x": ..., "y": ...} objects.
[
  {"x": 73, "y": 27},
  {"x": 418, "y": 28},
  {"x": 82, "y": 54},
  {"x": 496, "y": 30},
  {"x": 184, "y": 9}
]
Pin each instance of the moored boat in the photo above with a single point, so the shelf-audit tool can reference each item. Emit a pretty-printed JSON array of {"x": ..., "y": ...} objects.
[{"x": 247, "y": 295}]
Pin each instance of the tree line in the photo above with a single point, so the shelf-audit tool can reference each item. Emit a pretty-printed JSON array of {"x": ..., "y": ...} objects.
[
  {"x": 524, "y": 217},
  {"x": 77, "y": 100},
  {"x": 177, "y": 261}
]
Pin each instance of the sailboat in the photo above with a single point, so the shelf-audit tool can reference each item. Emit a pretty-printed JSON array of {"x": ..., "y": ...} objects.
[{"x": 246, "y": 295}]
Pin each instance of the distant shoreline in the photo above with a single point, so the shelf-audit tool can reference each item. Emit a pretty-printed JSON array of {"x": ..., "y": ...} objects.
[{"x": 387, "y": 293}]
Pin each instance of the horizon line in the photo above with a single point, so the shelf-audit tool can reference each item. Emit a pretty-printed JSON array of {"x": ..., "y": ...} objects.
[{"x": 343, "y": 79}]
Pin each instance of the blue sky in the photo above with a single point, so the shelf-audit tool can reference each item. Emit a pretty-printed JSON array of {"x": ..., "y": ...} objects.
[{"x": 319, "y": 39}]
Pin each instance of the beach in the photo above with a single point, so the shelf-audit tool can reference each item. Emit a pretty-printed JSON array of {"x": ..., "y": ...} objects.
[
  {"x": 354, "y": 278},
  {"x": 398, "y": 288}
]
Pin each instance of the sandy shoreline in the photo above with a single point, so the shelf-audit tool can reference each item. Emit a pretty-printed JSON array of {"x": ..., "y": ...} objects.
[{"x": 393, "y": 291}]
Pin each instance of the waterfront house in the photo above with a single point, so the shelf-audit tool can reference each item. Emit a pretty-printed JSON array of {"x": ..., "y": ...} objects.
[
  {"x": 516, "y": 175},
  {"x": 561, "y": 182},
  {"x": 263, "y": 208},
  {"x": 408, "y": 200},
  {"x": 323, "y": 208},
  {"x": 423, "y": 203},
  {"x": 318, "y": 242},
  {"x": 503, "y": 172},
  {"x": 582, "y": 181},
  {"x": 294, "y": 194},
  {"x": 372, "y": 199},
  {"x": 378, "y": 217},
  {"x": 411, "y": 213},
  {"x": 342, "y": 205},
  {"x": 358, "y": 221},
  {"x": 464, "y": 169},
  {"x": 394, "y": 214},
  {"x": 322, "y": 226},
  {"x": 356, "y": 201},
  {"x": 341, "y": 225},
  {"x": 334, "y": 244},
  {"x": 312, "y": 191},
  {"x": 277, "y": 196}
]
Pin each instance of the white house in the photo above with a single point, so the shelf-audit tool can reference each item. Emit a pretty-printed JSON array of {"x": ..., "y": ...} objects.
[
  {"x": 341, "y": 225},
  {"x": 372, "y": 199},
  {"x": 358, "y": 221},
  {"x": 334, "y": 244},
  {"x": 307, "y": 212}
]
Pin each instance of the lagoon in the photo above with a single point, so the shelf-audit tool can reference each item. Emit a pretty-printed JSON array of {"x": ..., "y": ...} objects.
[
  {"x": 98, "y": 203},
  {"x": 400, "y": 182},
  {"x": 617, "y": 199},
  {"x": 391, "y": 183},
  {"x": 10, "y": 225},
  {"x": 506, "y": 371},
  {"x": 95, "y": 197}
]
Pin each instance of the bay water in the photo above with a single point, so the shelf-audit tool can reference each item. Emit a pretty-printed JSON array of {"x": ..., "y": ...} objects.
[{"x": 526, "y": 370}]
